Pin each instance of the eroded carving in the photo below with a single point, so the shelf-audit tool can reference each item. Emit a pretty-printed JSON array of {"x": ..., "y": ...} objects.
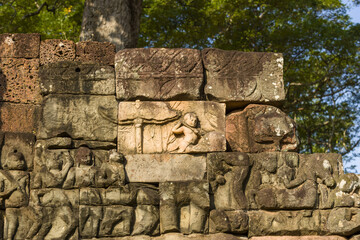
[{"x": 184, "y": 207}]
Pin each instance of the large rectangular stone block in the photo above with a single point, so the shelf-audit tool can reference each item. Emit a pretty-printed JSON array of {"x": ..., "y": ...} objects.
[
  {"x": 165, "y": 167},
  {"x": 239, "y": 78},
  {"x": 80, "y": 117},
  {"x": 77, "y": 78},
  {"x": 21, "y": 118},
  {"x": 158, "y": 74},
  {"x": 19, "y": 80},
  {"x": 175, "y": 127},
  {"x": 55, "y": 50},
  {"x": 19, "y": 45}
]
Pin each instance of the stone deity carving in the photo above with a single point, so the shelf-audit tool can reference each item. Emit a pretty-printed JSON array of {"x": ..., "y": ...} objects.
[{"x": 184, "y": 133}]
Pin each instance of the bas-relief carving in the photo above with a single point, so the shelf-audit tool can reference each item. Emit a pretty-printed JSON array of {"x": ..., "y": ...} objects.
[
  {"x": 289, "y": 180},
  {"x": 184, "y": 207},
  {"x": 176, "y": 127},
  {"x": 158, "y": 74},
  {"x": 227, "y": 175}
]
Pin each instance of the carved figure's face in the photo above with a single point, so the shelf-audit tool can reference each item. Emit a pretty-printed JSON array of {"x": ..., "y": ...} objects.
[
  {"x": 54, "y": 162},
  {"x": 15, "y": 160},
  {"x": 84, "y": 156},
  {"x": 191, "y": 119},
  {"x": 116, "y": 157}
]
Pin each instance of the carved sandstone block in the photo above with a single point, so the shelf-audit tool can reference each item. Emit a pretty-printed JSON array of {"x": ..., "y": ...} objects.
[
  {"x": 228, "y": 221},
  {"x": 77, "y": 78},
  {"x": 342, "y": 221},
  {"x": 165, "y": 167},
  {"x": 19, "y": 80},
  {"x": 260, "y": 128},
  {"x": 184, "y": 206},
  {"x": 175, "y": 127},
  {"x": 56, "y": 50},
  {"x": 239, "y": 78},
  {"x": 19, "y": 45},
  {"x": 95, "y": 52},
  {"x": 158, "y": 74},
  {"x": 21, "y": 118},
  {"x": 291, "y": 180},
  {"x": 227, "y": 175},
  {"x": 180, "y": 236},
  {"x": 112, "y": 221},
  {"x": 81, "y": 117},
  {"x": 299, "y": 238}
]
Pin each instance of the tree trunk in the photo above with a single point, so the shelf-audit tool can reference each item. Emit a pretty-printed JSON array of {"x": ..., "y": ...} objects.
[{"x": 115, "y": 21}]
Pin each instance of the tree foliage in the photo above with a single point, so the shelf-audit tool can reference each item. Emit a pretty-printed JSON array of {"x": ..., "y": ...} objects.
[
  {"x": 319, "y": 42},
  {"x": 60, "y": 19}
]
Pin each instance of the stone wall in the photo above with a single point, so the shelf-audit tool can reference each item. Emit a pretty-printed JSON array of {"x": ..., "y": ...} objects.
[{"x": 158, "y": 144}]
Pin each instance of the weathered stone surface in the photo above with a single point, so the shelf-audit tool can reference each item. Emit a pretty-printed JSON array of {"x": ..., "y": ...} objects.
[
  {"x": 19, "y": 80},
  {"x": 356, "y": 237},
  {"x": 239, "y": 78},
  {"x": 176, "y": 127},
  {"x": 158, "y": 74},
  {"x": 165, "y": 167},
  {"x": 184, "y": 207},
  {"x": 111, "y": 221},
  {"x": 21, "y": 144},
  {"x": 180, "y": 236},
  {"x": 291, "y": 180},
  {"x": 55, "y": 50},
  {"x": 57, "y": 213},
  {"x": 81, "y": 117},
  {"x": 227, "y": 175},
  {"x": 342, "y": 221},
  {"x": 260, "y": 128},
  {"x": 77, "y": 78},
  {"x": 21, "y": 118},
  {"x": 98, "y": 52},
  {"x": 305, "y": 222},
  {"x": 146, "y": 220},
  {"x": 228, "y": 221},
  {"x": 19, "y": 45},
  {"x": 299, "y": 238}
]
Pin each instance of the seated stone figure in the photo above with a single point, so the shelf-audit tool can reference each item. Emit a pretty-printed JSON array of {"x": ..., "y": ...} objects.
[
  {"x": 84, "y": 173},
  {"x": 112, "y": 172}
]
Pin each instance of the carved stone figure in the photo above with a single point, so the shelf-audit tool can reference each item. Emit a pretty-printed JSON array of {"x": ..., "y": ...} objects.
[
  {"x": 84, "y": 173},
  {"x": 184, "y": 206},
  {"x": 112, "y": 173},
  {"x": 187, "y": 132},
  {"x": 54, "y": 173},
  {"x": 227, "y": 174},
  {"x": 58, "y": 212}
]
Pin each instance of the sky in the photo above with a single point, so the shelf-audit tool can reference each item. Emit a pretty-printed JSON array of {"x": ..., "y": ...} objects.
[{"x": 354, "y": 12}]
